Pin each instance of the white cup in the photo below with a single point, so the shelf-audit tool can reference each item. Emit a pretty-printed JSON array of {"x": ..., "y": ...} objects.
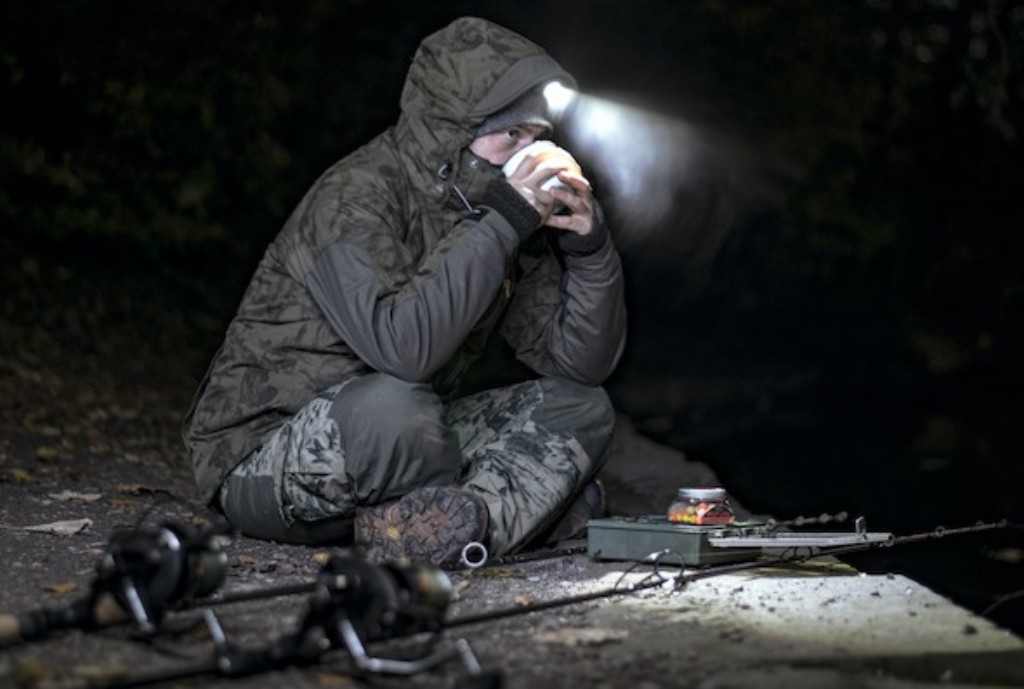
[{"x": 534, "y": 148}]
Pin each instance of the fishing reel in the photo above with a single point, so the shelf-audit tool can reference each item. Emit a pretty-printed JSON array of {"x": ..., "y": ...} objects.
[
  {"x": 355, "y": 602},
  {"x": 358, "y": 602},
  {"x": 148, "y": 569},
  {"x": 142, "y": 573},
  {"x": 381, "y": 601}
]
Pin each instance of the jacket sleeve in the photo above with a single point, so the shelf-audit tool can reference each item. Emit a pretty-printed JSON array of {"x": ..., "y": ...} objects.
[
  {"x": 408, "y": 319},
  {"x": 568, "y": 318}
]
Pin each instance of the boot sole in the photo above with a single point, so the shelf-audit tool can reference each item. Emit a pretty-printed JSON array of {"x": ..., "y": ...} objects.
[{"x": 431, "y": 525}]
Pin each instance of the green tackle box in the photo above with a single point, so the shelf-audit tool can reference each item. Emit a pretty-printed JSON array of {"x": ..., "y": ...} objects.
[{"x": 637, "y": 539}]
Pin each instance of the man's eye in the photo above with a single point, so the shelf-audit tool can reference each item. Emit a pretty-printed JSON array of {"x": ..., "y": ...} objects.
[{"x": 513, "y": 134}]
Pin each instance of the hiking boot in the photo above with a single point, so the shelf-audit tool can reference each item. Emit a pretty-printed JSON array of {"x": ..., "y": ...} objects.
[
  {"x": 589, "y": 504},
  {"x": 430, "y": 525}
]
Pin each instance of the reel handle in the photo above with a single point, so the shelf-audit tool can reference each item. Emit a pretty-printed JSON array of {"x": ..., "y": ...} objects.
[{"x": 85, "y": 613}]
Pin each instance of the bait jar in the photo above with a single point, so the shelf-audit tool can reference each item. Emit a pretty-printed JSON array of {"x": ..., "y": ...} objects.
[{"x": 701, "y": 506}]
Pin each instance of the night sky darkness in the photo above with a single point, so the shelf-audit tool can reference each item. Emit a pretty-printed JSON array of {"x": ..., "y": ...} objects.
[{"x": 818, "y": 206}]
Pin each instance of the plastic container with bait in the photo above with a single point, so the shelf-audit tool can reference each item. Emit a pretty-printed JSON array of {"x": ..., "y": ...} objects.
[{"x": 701, "y": 506}]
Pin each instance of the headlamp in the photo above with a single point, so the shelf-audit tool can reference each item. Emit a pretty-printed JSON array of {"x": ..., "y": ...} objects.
[{"x": 558, "y": 97}]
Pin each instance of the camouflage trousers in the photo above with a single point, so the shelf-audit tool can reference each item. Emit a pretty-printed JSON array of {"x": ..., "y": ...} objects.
[{"x": 526, "y": 449}]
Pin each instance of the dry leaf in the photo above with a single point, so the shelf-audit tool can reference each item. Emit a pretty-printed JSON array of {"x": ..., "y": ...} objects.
[
  {"x": 331, "y": 680},
  {"x": 1010, "y": 555},
  {"x": 524, "y": 599},
  {"x": 139, "y": 489},
  {"x": 124, "y": 413},
  {"x": 131, "y": 488},
  {"x": 68, "y": 495},
  {"x": 500, "y": 572},
  {"x": 64, "y": 528},
  {"x": 124, "y": 502},
  {"x": 31, "y": 672},
  {"x": 44, "y": 429},
  {"x": 21, "y": 476},
  {"x": 320, "y": 559},
  {"x": 580, "y": 636},
  {"x": 64, "y": 587},
  {"x": 104, "y": 673},
  {"x": 46, "y": 453}
]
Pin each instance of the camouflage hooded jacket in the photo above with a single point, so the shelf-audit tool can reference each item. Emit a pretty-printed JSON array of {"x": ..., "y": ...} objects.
[{"x": 383, "y": 267}]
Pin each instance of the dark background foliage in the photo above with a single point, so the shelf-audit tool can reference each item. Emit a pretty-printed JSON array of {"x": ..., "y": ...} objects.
[{"x": 830, "y": 313}]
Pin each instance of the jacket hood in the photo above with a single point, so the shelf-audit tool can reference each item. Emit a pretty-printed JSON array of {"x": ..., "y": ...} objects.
[{"x": 459, "y": 76}]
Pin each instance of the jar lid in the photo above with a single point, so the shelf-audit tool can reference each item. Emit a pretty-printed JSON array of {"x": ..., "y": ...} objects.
[{"x": 713, "y": 494}]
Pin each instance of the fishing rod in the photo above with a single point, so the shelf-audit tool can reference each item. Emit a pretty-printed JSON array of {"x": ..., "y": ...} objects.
[
  {"x": 143, "y": 573},
  {"x": 150, "y": 571},
  {"x": 353, "y": 604},
  {"x": 657, "y": 579},
  {"x": 304, "y": 587}
]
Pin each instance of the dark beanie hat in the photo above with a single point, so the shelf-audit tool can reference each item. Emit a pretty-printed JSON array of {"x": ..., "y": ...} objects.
[{"x": 530, "y": 108}]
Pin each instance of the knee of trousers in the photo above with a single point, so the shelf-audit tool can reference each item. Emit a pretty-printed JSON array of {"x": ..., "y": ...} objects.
[
  {"x": 393, "y": 437},
  {"x": 252, "y": 505},
  {"x": 583, "y": 411}
]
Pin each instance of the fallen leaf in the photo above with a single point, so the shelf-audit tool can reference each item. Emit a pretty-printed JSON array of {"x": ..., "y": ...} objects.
[
  {"x": 124, "y": 502},
  {"x": 331, "y": 680},
  {"x": 139, "y": 489},
  {"x": 21, "y": 476},
  {"x": 44, "y": 429},
  {"x": 580, "y": 636},
  {"x": 130, "y": 488},
  {"x": 64, "y": 528},
  {"x": 124, "y": 413},
  {"x": 31, "y": 672},
  {"x": 68, "y": 495},
  {"x": 524, "y": 599},
  {"x": 64, "y": 587},
  {"x": 500, "y": 572},
  {"x": 199, "y": 632},
  {"x": 106, "y": 673},
  {"x": 86, "y": 397},
  {"x": 47, "y": 453},
  {"x": 320, "y": 559},
  {"x": 1010, "y": 555}
]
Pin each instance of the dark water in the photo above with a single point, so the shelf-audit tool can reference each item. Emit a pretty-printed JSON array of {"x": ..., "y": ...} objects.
[{"x": 906, "y": 465}]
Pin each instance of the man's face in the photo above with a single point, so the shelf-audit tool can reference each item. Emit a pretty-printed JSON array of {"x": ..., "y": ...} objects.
[{"x": 497, "y": 147}]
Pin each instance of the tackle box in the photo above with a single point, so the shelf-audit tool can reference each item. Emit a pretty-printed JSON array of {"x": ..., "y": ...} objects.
[{"x": 637, "y": 539}]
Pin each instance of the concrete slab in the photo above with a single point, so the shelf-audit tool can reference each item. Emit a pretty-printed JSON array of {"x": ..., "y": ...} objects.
[
  {"x": 824, "y": 610},
  {"x": 819, "y": 624}
]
